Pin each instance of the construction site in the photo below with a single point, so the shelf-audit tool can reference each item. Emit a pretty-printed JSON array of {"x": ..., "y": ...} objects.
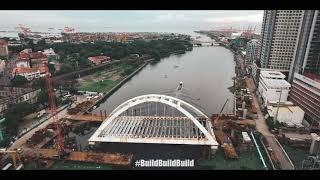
[
  {"x": 43, "y": 149},
  {"x": 164, "y": 126},
  {"x": 158, "y": 126}
]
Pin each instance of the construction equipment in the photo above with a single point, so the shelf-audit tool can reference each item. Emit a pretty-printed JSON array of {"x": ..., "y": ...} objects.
[
  {"x": 53, "y": 109},
  {"x": 14, "y": 155},
  {"x": 216, "y": 120}
]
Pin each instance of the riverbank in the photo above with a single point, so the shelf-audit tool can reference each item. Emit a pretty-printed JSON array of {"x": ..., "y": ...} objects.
[
  {"x": 104, "y": 80},
  {"x": 118, "y": 85}
]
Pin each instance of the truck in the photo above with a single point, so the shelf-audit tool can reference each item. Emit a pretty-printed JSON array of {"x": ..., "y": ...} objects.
[{"x": 41, "y": 113}]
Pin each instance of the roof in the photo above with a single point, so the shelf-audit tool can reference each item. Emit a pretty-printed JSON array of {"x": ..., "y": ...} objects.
[
  {"x": 272, "y": 74},
  {"x": 277, "y": 83},
  {"x": 3, "y": 42},
  {"x": 43, "y": 68},
  {"x": 96, "y": 59},
  {"x": 21, "y": 70},
  {"x": 284, "y": 109},
  {"x": 37, "y": 55},
  {"x": 23, "y": 56}
]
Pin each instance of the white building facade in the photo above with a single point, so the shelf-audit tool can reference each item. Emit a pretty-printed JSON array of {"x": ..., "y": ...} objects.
[{"x": 272, "y": 87}]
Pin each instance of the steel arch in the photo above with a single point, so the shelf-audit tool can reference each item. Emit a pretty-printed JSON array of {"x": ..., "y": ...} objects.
[{"x": 168, "y": 100}]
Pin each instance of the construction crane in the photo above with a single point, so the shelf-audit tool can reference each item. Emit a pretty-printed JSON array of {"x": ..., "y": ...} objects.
[
  {"x": 14, "y": 155},
  {"x": 53, "y": 109}
]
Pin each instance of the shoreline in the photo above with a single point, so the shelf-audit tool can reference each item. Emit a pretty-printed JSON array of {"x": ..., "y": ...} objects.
[{"x": 117, "y": 86}]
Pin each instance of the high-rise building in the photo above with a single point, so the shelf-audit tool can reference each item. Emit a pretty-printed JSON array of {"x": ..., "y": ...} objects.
[
  {"x": 4, "y": 48},
  {"x": 252, "y": 51},
  {"x": 305, "y": 92},
  {"x": 307, "y": 58},
  {"x": 273, "y": 87},
  {"x": 279, "y": 37}
]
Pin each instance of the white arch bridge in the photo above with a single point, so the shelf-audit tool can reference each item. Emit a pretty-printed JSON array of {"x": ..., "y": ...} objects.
[{"x": 161, "y": 119}]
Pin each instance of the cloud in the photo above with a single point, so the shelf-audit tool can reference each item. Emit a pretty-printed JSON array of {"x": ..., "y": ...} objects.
[
  {"x": 146, "y": 20},
  {"x": 236, "y": 19},
  {"x": 171, "y": 17}
]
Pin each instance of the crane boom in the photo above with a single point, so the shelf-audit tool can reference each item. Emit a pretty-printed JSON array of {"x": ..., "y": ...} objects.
[{"x": 53, "y": 109}]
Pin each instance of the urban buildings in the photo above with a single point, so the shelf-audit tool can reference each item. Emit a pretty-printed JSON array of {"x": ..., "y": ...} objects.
[
  {"x": 305, "y": 92},
  {"x": 279, "y": 38},
  {"x": 37, "y": 59},
  {"x": 23, "y": 63},
  {"x": 2, "y": 66},
  {"x": 252, "y": 52},
  {"x": 14, "y": 95},
  {"x": 307, "y": 58},
  {"x": 273, "y": 87},
  {"x": 99, "y": 59},
  {"x": 30, "y": 65},
  {"x": 4, "y": 48},
  {"x": 291, "y": 116}
]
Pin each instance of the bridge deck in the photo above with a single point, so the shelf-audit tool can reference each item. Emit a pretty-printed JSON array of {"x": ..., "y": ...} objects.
[{"x": 151, "y": 129}]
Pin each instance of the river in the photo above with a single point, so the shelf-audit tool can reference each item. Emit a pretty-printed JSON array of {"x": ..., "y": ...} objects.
[{"x": 206, "y": 73}]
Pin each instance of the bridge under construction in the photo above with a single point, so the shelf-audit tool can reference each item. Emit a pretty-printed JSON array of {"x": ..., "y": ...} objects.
[{"x": 158, "y": 119}]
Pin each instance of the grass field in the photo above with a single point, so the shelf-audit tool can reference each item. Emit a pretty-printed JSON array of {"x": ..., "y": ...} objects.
[{"x": 105, "y": 80}]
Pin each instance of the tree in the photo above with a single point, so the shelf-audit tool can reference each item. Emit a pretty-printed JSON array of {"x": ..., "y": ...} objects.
[
  {"x": 14, "y": 116},
  {"x": 42, "y": 97},
  {"x": 65, "y": 68},
  {"x": 19, "y": 80},
  {"x": 52, "y": 69},
  {"x": 84, "y": 62},
  {"x": 39, "y": 83}
]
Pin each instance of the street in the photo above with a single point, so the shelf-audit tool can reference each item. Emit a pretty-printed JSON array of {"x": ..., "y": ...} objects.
[
  {"x": 22, "y": 140},
  {"x": 262, "y": 127}
]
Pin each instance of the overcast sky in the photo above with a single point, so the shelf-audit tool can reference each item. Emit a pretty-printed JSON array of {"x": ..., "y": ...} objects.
[{"x": 132, "y": 20}]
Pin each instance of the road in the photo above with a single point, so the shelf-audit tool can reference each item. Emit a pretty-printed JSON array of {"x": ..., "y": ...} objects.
[
  {"x": 22, "y": 140},
  {"x": 262, "y": 127}
]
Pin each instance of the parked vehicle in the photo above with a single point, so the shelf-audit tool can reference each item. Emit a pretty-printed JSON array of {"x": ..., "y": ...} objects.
[{"x": 41, "y": 113}]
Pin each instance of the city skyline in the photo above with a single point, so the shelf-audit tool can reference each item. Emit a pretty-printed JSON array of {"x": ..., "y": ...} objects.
[{"x": 142, "y": 20}]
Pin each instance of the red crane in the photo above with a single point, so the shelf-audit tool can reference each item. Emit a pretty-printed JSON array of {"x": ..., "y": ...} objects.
[{"x": 53, "y": 109}]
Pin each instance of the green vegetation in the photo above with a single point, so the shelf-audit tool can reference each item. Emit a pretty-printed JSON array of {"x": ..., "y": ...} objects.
[
  {"x": 13, "y": 117},
  {"x": 39, "y": 83},
  {"x": 52, "y": 69},
  {"x": 297, "y": 155},
  {"x": 19, "y": 81},
  {"x": 100, "y": 86},
  {"x": 247, "y": 161},
  {"x": 75, "y": 56},
  {"x": 105, "y": 80}
]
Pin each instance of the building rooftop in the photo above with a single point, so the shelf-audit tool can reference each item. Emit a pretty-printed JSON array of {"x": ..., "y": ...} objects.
[
  {"x": 37, "y": 55},
  {"x": 284, "y": 109},
  {"x": 23, "y": 56},
  {"x": 20, "y": 70},
  {"x": 3, "y": 42},
  {"x": 272, "y": 74},
  {"x": 277, "y": 83}
]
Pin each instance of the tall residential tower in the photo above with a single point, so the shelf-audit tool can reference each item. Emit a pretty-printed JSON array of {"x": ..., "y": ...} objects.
[{"x": 279, "y": 37}]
